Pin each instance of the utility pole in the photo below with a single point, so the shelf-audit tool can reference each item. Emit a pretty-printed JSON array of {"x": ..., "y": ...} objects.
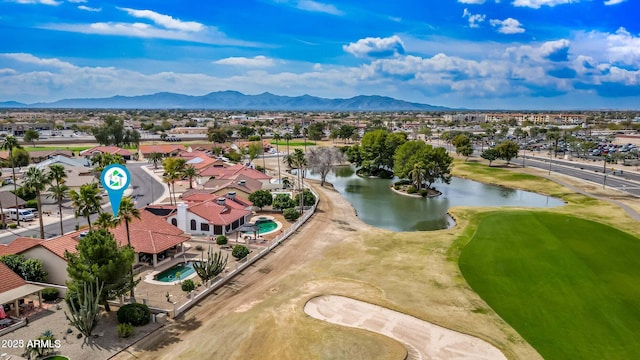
[{"x": 604, "y": 173}]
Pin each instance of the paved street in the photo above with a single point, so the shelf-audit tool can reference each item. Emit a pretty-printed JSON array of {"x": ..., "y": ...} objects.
[{"x": 144, "y": 188}]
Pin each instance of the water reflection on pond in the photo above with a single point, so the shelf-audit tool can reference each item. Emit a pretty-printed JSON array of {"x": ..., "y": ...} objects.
[{"x": 379, "y": 206}]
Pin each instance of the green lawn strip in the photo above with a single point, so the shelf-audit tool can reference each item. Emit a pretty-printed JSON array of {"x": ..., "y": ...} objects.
[
  {"x": 56, "y": 147},
  {"x": 292, "y": 143},
  {"x": 569, "y": 286}
]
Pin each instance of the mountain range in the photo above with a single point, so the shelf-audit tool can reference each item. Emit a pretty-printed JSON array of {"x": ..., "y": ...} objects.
[{"x": 233, "y": 100}]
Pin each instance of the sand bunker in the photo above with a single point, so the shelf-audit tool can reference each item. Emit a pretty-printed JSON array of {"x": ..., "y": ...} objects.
[{"x": 422, "y": 339}]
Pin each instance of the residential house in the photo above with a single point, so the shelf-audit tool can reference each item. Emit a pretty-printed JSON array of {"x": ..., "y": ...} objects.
[
  {"x": 207, "y": 214},
  {"x": 242, "y": 185},
  {"x": 166, "y": 150},
  {"x": 153, "y": 239},
  {"x": 50, "y": 252}
]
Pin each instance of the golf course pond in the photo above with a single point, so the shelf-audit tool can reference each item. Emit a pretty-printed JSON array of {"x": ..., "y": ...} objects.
[{"x": 377, "y": 205}]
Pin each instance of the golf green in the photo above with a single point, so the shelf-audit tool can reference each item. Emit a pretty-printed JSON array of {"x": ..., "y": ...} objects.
[{"x": 570, "y": 287}]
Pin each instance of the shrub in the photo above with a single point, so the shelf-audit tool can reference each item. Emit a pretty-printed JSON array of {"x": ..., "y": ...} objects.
[
  {"x": 221, "y": 240},
  {"x": 199, "y": 247},
  {"x": 134, "y": 314},
  {"x": 397, "y": 187},
  {"x": 31, "y": 204},
  {"x": 291, "y": 214},
  {"x": 50, "y": 294},
  {"x": 424, "y": 192},
  {"x": 188, "y": 286},
  {"x": 239, "y": 252},
  {"x": 403, "y": 182},
  {"x": 13, "y": 226},
  {"x": 412, "y": 190},
  {"x": 125, "y": 330}
]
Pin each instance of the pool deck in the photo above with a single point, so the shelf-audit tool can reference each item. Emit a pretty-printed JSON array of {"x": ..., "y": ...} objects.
[{"x": 154, "y": 292}]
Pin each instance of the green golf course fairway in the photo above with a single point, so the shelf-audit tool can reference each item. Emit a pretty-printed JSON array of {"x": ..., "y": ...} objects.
[{"x": 570, "y": 287}]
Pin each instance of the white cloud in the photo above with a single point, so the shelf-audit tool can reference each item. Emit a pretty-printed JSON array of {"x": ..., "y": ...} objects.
[
  {"x": 77, "y": 1},
  {"x": 623, "y": 47},
  {"x": 314, "y": 6},
  {"x": 91, "y": 9},
  {"x": 165, "y": 21},
  {"x": 537, "y": 4},
  {"x": 43, "y": 2},
  {"x": 507, "y": 26},
  {"x": 614, "y": 2},
  {"x": 474, "y": 19},
  {"x": 376, "y": 47},
  {"x": 30, "y": 59},
  {"x": 254, "y": 62},
  {"x": 471, "y": 1}
]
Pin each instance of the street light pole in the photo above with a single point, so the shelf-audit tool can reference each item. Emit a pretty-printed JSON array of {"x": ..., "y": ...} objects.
[
  {"x": 604, "y": 173},
  {"x": 549, "y": 161}
]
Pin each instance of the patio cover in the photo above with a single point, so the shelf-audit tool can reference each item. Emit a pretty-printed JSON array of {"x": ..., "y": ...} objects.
[{"x": 19, "y": 292}]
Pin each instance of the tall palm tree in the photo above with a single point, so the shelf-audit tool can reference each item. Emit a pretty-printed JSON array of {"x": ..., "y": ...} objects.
[
  {"x": 87, "y": 201},
  {"x": 58, "y": 190},
  {"x": 299, "y": 162},
  {"x": 277, "y": 138},
  {"x": 261, "y": 132},
  {"x": 417, "y": 174},
  {"x": 9, "y": 143},
  {"x": 106, "y": 221},
  {"x": 36, "y": 180},
  {"x": 288, "y": 137},
  {"x": 128, "y": 212},
  {"x": 190, "y": 172}
]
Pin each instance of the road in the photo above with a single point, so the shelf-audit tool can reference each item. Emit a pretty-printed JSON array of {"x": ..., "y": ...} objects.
[
  {"x": 625, "y": 181},
  {"x": 146, "y": 189}
]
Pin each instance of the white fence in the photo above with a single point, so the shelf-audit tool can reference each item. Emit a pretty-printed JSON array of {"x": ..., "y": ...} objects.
[{"x": 194, "y": 298}]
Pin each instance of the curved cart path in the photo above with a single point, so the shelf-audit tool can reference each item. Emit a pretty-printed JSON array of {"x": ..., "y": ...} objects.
[{"x": 422, "y": 339}]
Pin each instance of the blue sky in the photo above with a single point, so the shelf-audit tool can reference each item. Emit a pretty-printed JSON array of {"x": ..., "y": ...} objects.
[{"x": 484, "y": 54}]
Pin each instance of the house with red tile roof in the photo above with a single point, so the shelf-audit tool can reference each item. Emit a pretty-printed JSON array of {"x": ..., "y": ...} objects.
[
  {"x": 50, "y": 252},
  {"x": 166, "y": 150},
  {"x": 153, "y": 238},
  {"x": 113, "y": 150},
  {"x": 207, "y": 214},
  {"x": 13, "y": 288},
  {"x": 234, "y": 171}
]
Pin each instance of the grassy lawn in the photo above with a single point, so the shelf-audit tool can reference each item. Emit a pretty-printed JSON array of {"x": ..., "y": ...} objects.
[
  {"x": 569, "y": 286},
  {"x": 56, "y": 147},
  {"x": 292, "y": 143}
]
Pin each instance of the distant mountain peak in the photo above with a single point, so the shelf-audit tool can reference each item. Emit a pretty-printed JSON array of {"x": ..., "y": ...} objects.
[{"x": 235, "y": 100}]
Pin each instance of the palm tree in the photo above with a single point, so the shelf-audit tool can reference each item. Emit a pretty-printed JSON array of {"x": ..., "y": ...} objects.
[
  {"x": 128, "y": 212},
  {"x": 190, "y": 172},
  {"x": 417, "y": 174},
  {"x": 298, "y": 160},
  {"x": 9, "y": 143},
  {"x": 58, "y": 190},
  {"x": 87, "y": 201},
  {"x": 287, "y": 138},
  {"x": 154, "y": 157},
  {"x": 106, "y": 221},
  {"x": 59, "y": 193},
  {"x": 36, "y": 180},
  {"x": 277, "y": 138},
  {"x": 261, "y": 132}
]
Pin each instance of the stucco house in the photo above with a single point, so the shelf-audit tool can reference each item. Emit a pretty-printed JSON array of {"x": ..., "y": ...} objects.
[
  {"x": 207, "y": 214},
  {"x": 113, "y": 150}
]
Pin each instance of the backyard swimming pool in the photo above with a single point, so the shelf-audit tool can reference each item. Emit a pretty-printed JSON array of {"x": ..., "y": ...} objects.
[{"x": 171, "y": 274}]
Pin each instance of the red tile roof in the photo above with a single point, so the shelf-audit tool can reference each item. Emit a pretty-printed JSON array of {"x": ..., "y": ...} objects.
[
  {"x": 232, "y": 172},
  {"x": 60, "y": 244},
  {"x": 151, "y": 234},
  {"x": 19, "y": 245},
  {"x": 106, "y": 149},
  {"x": 161, "y": 148},
  {"x": 57, "y": 245},
  {"x": 249, "y": 185},
  {"x": 218, "y": 214},
  {"x": 10, "y": 280}
]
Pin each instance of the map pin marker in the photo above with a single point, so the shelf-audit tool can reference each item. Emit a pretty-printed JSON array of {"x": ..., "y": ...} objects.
[{"x": 115, "y": 179}]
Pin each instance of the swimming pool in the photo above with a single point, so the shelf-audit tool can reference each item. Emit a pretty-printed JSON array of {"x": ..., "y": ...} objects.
[
  {"x": 171, "y": 274},
  {"x": 266, "y": 225}
]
